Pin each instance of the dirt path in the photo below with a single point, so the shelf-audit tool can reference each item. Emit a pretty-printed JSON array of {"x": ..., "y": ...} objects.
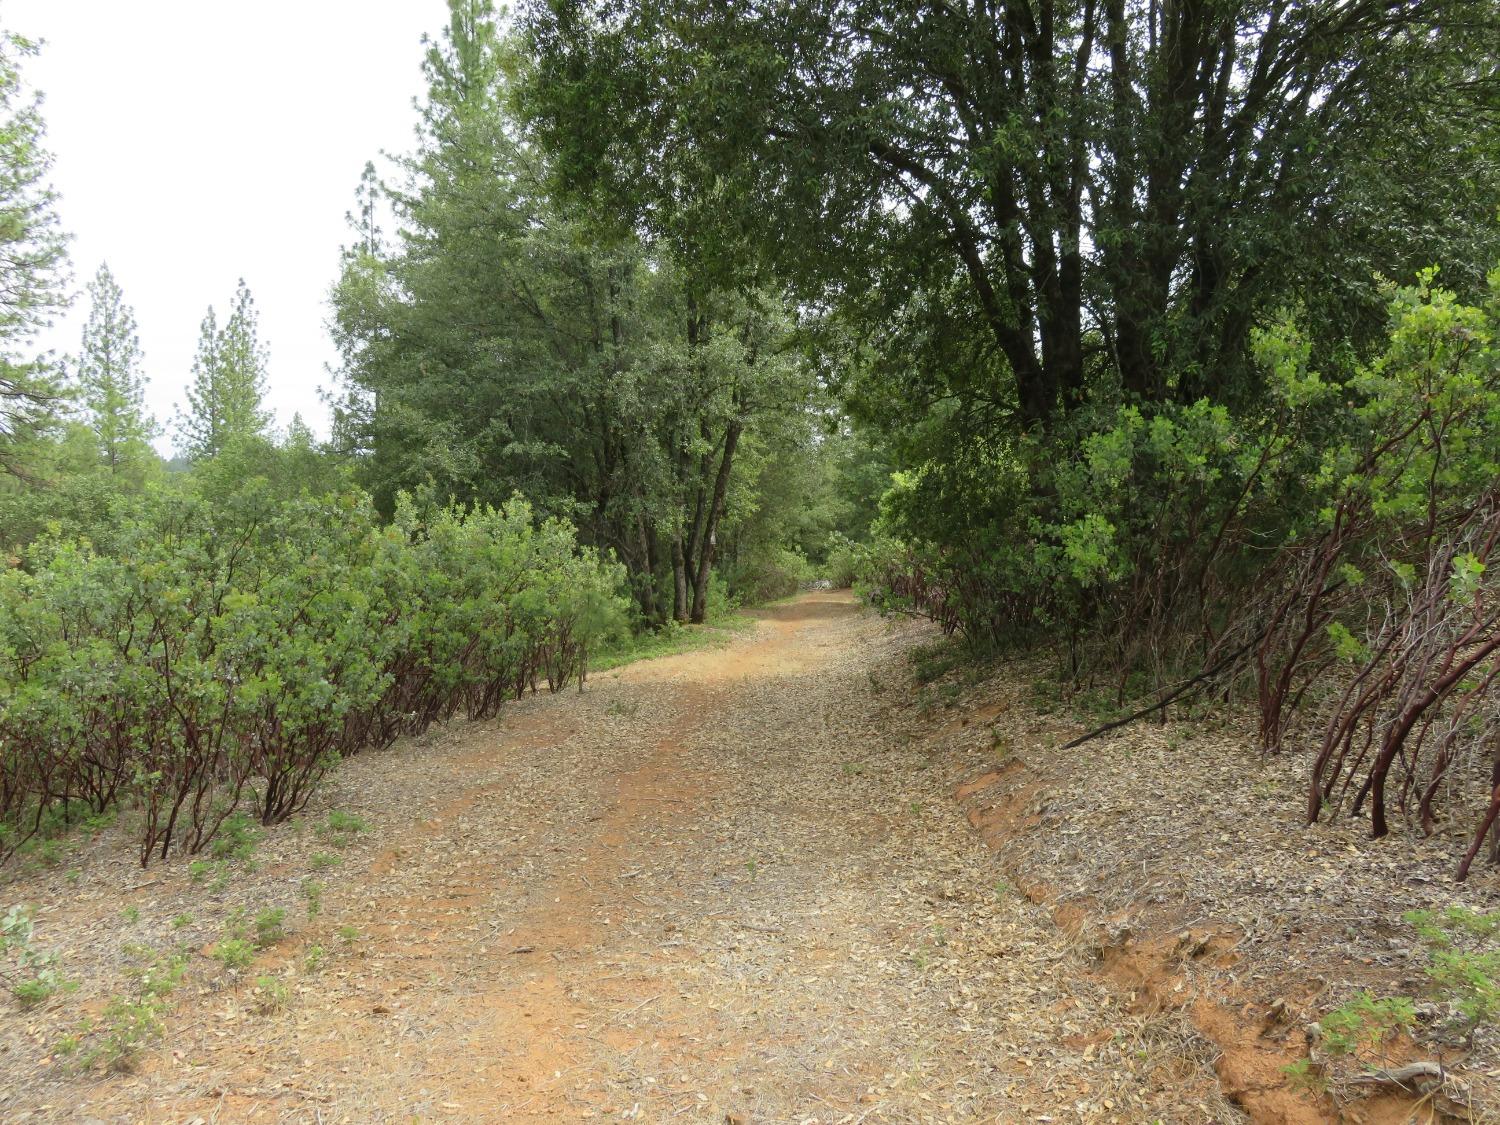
[{"x": 726, "y": 886}]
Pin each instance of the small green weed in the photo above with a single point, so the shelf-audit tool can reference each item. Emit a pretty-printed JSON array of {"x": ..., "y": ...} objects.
[
  {"x": 269, "y": 927},
  {"x": 314, "y": 958},
  {"x": 1306, "y": 1075},
  {"x": 1463, "y": 961},
  {"x": 129, "y": 1025},
  {"x": 312, "y": 894},
  {"x": 271, "y": 995},
  {"x": 339, "y": 821},
  {"x": 36, "y": 976},
  {"x": 214, "y": 874},
  {"x": 236, "y": 839},
  {"x": 341, "y": 827},
  {"x": 931, "y": 662},
  {"x": 30, "y": 993},
  {"x": 51, "y": 852},
  {"x": 1366, "y": 1022},
  {"x": 133, "y": 1022},
  {"x": 161, "y": 977},
  {"x": 138, "y": 952},
  {"x": 319, "y": 861},
  {"x": 234, "y": 953}
]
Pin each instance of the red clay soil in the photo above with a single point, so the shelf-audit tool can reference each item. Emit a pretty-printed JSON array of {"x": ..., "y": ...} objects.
[{"x": 1255, "y": 1042}]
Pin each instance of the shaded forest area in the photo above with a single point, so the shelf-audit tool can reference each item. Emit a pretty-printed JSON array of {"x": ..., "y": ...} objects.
[{"x": 1143, "y": 302}]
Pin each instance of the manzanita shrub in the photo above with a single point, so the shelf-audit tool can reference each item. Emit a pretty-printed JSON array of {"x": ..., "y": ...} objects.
[
  {"x": 1329, "y": 547},
  {"x": 233, "y": 646}
]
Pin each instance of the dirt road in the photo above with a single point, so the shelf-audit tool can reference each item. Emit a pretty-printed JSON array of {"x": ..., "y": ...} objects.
[{"x": 726, "y": 886}]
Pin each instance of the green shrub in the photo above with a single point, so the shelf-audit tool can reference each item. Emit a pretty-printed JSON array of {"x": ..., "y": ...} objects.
[
  {"x": 130, "y": 1023},
  {"x": 233, "y": 645},
  {"x": 843, "y": 562},
  {"x": 342, "y": 823},
  {"x": 1336, "y": 525},
  {"x": 29, "y": 993},
  {"x": 236, "y": 839},
  {"x": 129, "y": 1026},
  {"x": 766, "y": 574},
  {"x": 1306, "y": 1076}
]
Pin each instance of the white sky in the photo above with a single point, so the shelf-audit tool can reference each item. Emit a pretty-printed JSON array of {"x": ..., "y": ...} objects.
[{"x": 199, "y": 141}]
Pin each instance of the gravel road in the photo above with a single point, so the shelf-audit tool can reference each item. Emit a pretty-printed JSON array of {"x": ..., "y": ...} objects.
[{"x": 727, "y": 886}]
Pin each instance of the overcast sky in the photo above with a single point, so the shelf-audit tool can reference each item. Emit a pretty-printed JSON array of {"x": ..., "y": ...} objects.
[{"x": 200, "y": 141}]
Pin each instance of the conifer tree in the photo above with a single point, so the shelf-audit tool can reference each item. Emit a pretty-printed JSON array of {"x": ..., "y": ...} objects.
[
  {"x": 229, "y": 380},
  {"x": 33, "y": 261},
  {"x": 110, "y": 380},
  {"x": 299, "y": 434}
]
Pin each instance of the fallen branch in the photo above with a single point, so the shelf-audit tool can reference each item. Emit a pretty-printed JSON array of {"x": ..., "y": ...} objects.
[
  {"x": 1197, "y": 681},
  {"x": 760, "y": 929},
  {"x": 1401, "y": 1075}
]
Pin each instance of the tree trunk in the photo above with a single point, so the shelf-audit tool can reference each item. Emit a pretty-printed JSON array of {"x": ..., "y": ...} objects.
[
  {"x": 646, "y": 575},
  {"x": 679, "y": 580},
  {"x": 715, "y": 510},
  {"x": 648, "y": 545}
]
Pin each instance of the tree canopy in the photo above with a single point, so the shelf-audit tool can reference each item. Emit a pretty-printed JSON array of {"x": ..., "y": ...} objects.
[
  {"x": 1032, "y": 205},
  {"x": 506, "y": 340}
]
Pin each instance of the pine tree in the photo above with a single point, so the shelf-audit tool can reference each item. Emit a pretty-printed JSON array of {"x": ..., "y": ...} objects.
[
  {"x": 110, "y": 380},
  {"x": 299, "y": 434},
  {"x": 33, "y": 262},
  {"x": 229, "y": 382}
]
